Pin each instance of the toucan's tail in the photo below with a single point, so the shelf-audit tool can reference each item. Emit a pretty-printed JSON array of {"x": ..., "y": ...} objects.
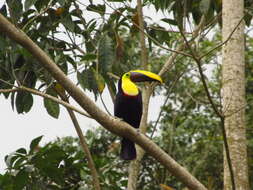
[{"x": 128, "y": 151}]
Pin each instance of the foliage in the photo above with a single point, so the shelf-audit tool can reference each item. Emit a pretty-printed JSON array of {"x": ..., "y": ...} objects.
[
  {"x": 62, "y": 165},
  {"x": 108, "y": 42}
]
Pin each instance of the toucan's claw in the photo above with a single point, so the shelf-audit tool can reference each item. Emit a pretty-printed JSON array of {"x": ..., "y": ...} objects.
[{"x": 118, "y": 118}]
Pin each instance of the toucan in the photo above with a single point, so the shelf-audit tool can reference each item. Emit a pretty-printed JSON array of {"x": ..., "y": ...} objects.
[{"x": 128, "y": 105}]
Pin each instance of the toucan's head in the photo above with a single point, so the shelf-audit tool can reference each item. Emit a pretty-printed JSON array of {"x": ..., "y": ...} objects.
[{"x": 128, "y": 79}]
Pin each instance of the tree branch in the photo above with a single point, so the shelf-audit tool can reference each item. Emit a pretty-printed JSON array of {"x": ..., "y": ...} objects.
[
  {"x": 134, "y": 167},
  {"x": 83, "y": 143},
  {"x": 110, "y": 123},
  {"x": 168, "y": 65},
  {"x": 65, "y": 104},
  {"x": 150, "y": 37},
  {"x": 224, "y": 42},
  {"x": 36, "y": 92},
  {"x": 214, "y": 107}
]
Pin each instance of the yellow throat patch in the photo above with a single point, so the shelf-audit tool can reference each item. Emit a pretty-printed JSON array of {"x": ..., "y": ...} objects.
[{"x": 128, "y": 87}]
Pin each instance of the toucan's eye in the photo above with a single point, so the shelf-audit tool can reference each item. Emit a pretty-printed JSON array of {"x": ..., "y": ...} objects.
[{"x": 127, "y": 74}]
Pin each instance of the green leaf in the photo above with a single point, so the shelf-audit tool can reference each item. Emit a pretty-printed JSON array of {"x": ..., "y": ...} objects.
[
  {"x": 105, "y": 55},
  {"x": 21, "y": 180},
  {"x": 17, "y": 6},
  {"x": 21, "y": 151},
  {"x": 87, "y": 81},
  {"x": 24, "y": 102},
  {"x": 51, "y": 106},
  {"x": 68, "y": 23},
  {"x": 35, "y": 143},
  {"x": 99, "y": 81},
  {"x": 97, "y": 8},
  {"x": 204, "y": 6},
  {"x": 41, "y": 4},
  {"x": 170, "y": 21},
  {"x": 6, "y": 181},
  {"x": 13, "y": 100},
  {"x": 3, "y": 10},
  {"x": 89, "y": 57},
  {"x": 82, "y": 80},
  {"x": 29, "y": 3},
  {"x": 61, "y": 2}
]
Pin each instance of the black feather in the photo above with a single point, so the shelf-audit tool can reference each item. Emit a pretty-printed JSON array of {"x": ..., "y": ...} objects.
[{"x": 128, "y": 108}]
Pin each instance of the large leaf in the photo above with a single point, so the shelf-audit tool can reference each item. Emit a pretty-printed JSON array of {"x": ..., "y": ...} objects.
[
  {"x": 81, "y": 77},
  {"x": 68, "y": 23},
  {"x": 100, "y": 8},
  {"x": 17, "y": 6},
  {"x": 21, "y": 180},
  {"x": 105, "y": 55},
  {"x": 99, "y": 81},
  {"x": 24, "y": 102},
  {"x": 35, "y": 142},
  {"x": 41, "y": 4},
  {"x": 51, "y": 106},
  {"x": 87, "y": 80}
]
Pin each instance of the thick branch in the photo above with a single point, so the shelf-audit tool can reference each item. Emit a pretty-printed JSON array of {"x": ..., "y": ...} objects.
[{"x": 110, "y": 123}]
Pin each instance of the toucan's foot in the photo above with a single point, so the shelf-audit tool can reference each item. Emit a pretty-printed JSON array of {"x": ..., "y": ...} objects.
[
  {"x": 118, "y": 118},
  {"x": 138, "y": 131}
]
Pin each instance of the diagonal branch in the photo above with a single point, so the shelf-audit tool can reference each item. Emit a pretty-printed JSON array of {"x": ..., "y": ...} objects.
[
  {"x": 224, "y": 42},
  {"x": 112, "y": 124},
  {"x": 84, "y": 145},
  {"x": 169, "y": 63},
  {"x": 36, "y": 92},
  {"x": 214, "y": 107},
  {"x": 65, "y": 104},
  {"x": 202, "y": 76}
]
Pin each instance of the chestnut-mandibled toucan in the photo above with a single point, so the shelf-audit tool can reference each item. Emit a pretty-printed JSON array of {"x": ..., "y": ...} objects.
[{"x": 128, "y": 105}]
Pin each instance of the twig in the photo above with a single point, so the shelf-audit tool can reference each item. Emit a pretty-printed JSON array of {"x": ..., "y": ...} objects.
[
  {"x": 65, "y": 104},
  {"x": 34, "y": 18},
  {"x": 150, "y": 37},
  {"x": 101, "y": 98},
  {"x": 202, "y": 76},
  {"x": 182, "y": 45},
  {"x": 165, "y": 102},
  {"x": 8, "y": 90},
  {"x": 84, "y": 144},
  {"x": 224, "y": 42},
  {"x": 218, "y": 113}
]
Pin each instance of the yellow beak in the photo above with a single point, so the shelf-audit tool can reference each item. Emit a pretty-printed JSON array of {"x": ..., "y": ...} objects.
[{"x": 142, "y": 76}]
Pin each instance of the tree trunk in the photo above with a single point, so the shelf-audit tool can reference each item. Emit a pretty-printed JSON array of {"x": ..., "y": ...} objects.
[{"x": 233, "y": 93}]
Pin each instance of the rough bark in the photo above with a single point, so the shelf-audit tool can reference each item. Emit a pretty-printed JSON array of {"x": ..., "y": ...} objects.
[
  {"x": 110, "y": 123},
  {"x": 233, "y": 93}
]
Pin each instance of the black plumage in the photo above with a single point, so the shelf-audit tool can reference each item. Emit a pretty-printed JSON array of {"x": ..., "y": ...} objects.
[{"x": 128, "y": 108}]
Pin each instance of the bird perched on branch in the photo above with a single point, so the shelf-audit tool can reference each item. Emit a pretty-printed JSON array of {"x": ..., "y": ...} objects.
[{"x": 128, "y": 105}]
